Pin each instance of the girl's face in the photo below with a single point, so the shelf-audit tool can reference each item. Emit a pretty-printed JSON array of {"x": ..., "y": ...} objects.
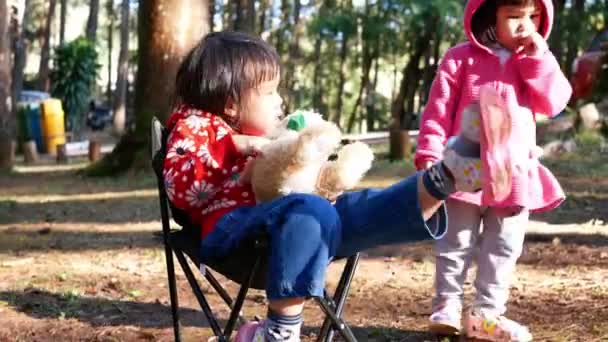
[
  {"x": 261, "y": 110},
  {"x": 516, "y": 23}
]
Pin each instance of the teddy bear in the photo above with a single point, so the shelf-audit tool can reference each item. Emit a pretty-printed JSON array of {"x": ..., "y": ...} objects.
[{"x": 297, "y": 159}]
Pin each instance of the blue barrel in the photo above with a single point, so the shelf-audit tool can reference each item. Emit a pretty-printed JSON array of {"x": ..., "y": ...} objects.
[{"x": 33, "y": 125}]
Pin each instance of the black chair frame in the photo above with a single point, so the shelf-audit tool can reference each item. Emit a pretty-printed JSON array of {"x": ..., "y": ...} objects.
[{"x": 184, "y": 242}]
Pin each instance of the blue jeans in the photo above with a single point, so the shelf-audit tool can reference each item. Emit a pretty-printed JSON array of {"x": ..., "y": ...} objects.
[{"x": 306, "y": 232}]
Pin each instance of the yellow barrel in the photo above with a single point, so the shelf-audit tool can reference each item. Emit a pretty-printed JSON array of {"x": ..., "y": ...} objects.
[{"x": 53, "y": 127}]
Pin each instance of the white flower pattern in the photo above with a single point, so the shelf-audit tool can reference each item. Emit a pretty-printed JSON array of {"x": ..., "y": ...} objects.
[
  {"x": 179, "y": 148},
  {"x": 169, "y": 178},
  {"x": 205, "y": 155},
  {"x": 219, "y": 204},
  {"x": 234, "y": 178},
  {"x": 196, "y": 123},
  {"x": 199, "y": 193}
]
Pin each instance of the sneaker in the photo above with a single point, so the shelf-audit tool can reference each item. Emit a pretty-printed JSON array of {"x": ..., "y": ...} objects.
[
  {"x": 496, "y": 328},
  {"x": 445, "y": 321},
  {"x": 250, "y": 332},
  {"x": 466, "y": 171},
  {"x": 462, "y": 153}
]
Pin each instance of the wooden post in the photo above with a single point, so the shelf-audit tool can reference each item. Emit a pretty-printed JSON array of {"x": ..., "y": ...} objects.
[
  {"x": 7, "y": 153},
  {"x": 30, "y": 153},
  {"x": 94, "y": 150},
  {"x": 399, "y": 144},
  {"x": 62, "y": 153}
]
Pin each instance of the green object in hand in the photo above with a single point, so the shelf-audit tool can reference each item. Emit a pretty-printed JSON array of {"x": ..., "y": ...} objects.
[{"x": 297, "y": 121}]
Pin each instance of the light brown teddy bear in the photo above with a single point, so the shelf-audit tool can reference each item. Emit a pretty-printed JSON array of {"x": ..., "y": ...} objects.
[{"x": 296, "y": 160}]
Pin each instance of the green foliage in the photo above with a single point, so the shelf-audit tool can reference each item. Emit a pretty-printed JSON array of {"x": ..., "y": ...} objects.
[
  {"x": 589, "y": 141},
  {"x": 73, "y": 77}
]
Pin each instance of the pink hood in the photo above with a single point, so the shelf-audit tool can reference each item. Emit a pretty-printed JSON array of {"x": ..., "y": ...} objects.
[{"x": 473, "y": 5}]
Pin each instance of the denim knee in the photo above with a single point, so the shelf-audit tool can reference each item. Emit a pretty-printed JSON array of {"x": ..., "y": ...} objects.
[{"x": 303, "y": 243}]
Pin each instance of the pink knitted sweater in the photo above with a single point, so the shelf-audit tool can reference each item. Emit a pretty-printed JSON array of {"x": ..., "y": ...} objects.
[{"x": 529, "y": 85}]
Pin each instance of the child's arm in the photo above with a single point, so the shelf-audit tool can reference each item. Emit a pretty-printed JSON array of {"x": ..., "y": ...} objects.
[
  {"x": 549, "y": 89},
  {"x": 248, "y": 144},
  {"x": 438, "y": 114}
]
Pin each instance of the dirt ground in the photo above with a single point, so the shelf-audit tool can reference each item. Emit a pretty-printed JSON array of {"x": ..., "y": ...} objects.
[{"x": 80, "y": 261}]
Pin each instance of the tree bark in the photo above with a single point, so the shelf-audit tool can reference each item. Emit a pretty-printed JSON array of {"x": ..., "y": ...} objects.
[
  {"x": 91, "y": 31},
  {"x": 119, "y": 107},
  {"x": 318, "y": 91},
  {"x": 556, "y": 43},
  {"x": 342, "y": 80},
  {"x": 402, "y": 106},
  {"x": 264, "y": 6},
  {"x": 369, "y": 55},
  {"x": 62, "y": 19},
  {"x": 19, "y": 50},
  {"x": 163, "y": 42},
  {"x": 211, "y": 15},
  {"x": 293, "y": 57},
  {"x": 578, "y": 9},
  {"x": 370, "y": 105},
  {"x": 245, "y": 16},
  {"x": 45, "y": 54},
  {"x": 7, "y": 117},
  {"x": 111, "y": 17}
]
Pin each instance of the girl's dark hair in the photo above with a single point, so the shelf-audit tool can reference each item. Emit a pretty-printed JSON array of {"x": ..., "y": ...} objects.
[
  {"x": 224, "y": 66},
  {"x": 485, "y": 16}
]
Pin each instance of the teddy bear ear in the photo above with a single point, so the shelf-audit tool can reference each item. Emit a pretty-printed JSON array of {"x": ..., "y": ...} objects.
[{"x": 296, "y": 122}]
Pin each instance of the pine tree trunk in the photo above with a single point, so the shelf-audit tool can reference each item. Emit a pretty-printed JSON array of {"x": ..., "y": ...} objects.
[
  {"x": 245, "y": 16},
  {"x": 45, "y": 54},
  {"x": 264, "y": 6},
  {"x": 318, "y": 91},
  {"x": 402, "y": 106},
  {"x": 369, "y": 55},
  {"x": 578, "y": 9},
  {"x": 557, "y": 32},
  {"x": 19, "y": 50},
  {"x": 62, "y": 21},
  {"x": 342, "y": 81},
  {"x": 7, "y": 117},
  {"x": 228, "y": 15},
  {"x": 294, "y": 57},
  {"x": 162, "y": 45},
  {"x": 119, "y": 107},
  {"x": 370, "y": 108},
  {"x": 211, "y": 15},
  {"x": 91, "y": 31},
  {"x": 111, "y": 17}
]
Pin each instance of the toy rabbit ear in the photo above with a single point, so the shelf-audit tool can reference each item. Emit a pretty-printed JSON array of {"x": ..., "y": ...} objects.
[
  {"x": 496, "y": 125},
  {"x": 495, "y": 117}
]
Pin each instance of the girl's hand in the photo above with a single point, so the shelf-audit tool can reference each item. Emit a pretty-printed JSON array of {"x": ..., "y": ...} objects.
[
  {"x": 534, "y": 45},
  {"x": 426, "y": 165},
  {"x": 248, "y": 144}
]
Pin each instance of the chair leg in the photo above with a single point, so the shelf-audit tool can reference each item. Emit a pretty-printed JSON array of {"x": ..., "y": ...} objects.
[
  {"x": 240, "y": 299},
  {"x": 217, "y": 331},
  {"x": 338, "y": 323},
  {"x": 223, "y": 293},
  {"x": 173, "y": 292},
  {"x": 326, "y": 334}
]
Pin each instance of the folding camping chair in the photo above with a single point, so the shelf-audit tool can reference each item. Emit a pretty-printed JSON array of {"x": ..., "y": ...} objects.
[{"x": 185, "y": 241}]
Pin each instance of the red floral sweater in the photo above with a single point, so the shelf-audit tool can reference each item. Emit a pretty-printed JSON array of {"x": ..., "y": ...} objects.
[{"x": 202, "y": 167}]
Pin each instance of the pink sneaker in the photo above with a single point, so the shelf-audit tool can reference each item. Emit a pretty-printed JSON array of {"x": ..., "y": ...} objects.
[
  {"x": 496, "y": 163},
  {"x": 250, "y": 332},
  {"x": 495, "y": 328},
  {"x": 445, "y": 321}
]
